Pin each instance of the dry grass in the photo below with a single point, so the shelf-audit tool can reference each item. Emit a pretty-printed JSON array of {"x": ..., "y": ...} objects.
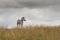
[{"x": 31, "y": 33}]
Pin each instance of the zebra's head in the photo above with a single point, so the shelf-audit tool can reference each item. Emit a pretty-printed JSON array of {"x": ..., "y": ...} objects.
[{"x": 23, "y": 19}]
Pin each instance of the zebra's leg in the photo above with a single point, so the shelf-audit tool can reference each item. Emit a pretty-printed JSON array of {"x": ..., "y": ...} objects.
[
  {"x": 18, "y": 25},
  {"x": 21, "y": 24}
]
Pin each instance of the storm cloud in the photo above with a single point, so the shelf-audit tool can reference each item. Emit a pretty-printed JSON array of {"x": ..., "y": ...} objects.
[{"x": 28, "y": 3}]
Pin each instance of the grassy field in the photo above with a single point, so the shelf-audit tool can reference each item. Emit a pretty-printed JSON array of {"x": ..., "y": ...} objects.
[{"x": 31, "y": 33}]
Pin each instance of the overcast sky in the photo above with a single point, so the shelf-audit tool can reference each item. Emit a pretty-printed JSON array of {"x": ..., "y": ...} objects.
[{"x": 35, "y": 12}]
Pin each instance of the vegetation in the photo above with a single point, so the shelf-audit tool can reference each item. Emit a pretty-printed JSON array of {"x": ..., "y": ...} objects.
[{"x": 31, "y": 33}]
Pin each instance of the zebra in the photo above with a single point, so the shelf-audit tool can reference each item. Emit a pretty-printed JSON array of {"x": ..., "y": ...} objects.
[{"x": 20, "y": 21}]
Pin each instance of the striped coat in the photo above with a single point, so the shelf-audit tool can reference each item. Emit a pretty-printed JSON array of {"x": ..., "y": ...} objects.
[{"x": 20, "y": 22}]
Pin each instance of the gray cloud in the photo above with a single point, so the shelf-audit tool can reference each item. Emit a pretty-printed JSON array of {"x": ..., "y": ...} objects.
[
  {"x": 28, "y": 3},
  {"x": 55, "y": 8},
  {"x": 53, "y": 4}
]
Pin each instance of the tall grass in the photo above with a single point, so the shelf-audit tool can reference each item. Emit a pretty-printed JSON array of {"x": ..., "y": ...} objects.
[{"x": 31, "y": 33}]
